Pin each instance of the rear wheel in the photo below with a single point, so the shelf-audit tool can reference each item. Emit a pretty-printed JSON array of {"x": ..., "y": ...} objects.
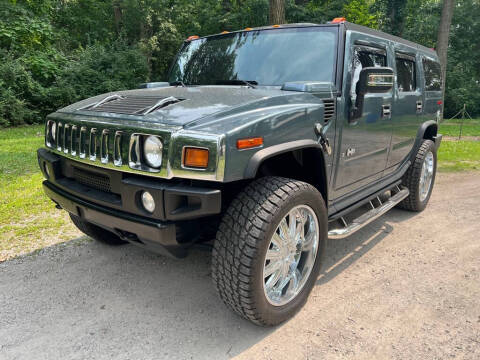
[
  {"x": 96, "y": 232},
  {"x": 420, "y": 177},
  {"x": 268, "y": 249}
]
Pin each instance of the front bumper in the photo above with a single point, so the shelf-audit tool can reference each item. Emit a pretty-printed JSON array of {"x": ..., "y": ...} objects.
[
  {"x": 438, "y": 140},
  {"x": 119, "y": 209}
]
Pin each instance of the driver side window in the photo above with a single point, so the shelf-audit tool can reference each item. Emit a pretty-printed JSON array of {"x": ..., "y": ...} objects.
[{"x": 366, "y": 57}]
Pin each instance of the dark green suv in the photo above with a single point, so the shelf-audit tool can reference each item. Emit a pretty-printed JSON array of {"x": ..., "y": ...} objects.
[{"x": 266, "y": 140}]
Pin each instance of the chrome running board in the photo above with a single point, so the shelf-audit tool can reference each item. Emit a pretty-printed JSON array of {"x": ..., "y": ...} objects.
[{"x": 369, "y": 216}]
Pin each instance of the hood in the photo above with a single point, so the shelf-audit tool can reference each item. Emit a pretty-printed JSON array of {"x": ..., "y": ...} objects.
[{"x": 177, "y": 106}]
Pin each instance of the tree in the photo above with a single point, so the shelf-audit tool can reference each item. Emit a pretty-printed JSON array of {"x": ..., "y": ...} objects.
[
  {"x": 277, "y": 12},
  {"x": 358, "y": 12},
  {"x": 443, "y": 34}
]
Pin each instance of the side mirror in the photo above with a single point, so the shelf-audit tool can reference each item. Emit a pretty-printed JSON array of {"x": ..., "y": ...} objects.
[
  {"x": 375, "y": 80},
  {"x": 372, "y": 80}
]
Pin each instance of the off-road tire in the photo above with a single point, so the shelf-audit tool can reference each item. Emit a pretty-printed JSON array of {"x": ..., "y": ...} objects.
[
  {"x": 411, "y": 179},
  {"x": 96, "y": 232},
  {"x": 243, "y": 238}
]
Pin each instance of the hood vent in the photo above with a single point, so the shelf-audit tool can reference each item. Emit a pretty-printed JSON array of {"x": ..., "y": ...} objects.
[
  {"x": 131, "y": 105},
  {"x": 329, "y": 109}
]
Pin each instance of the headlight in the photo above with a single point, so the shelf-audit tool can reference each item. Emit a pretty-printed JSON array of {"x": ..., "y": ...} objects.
[{"x": 152, "y": 150}]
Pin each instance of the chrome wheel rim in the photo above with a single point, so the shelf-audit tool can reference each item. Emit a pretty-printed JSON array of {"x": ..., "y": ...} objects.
[
  {"x": 426, "y": 176},
  {"x": 290, "y": 255}
]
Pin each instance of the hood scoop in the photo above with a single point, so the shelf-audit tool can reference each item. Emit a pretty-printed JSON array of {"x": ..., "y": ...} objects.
[{"x": 131, "y": 104}]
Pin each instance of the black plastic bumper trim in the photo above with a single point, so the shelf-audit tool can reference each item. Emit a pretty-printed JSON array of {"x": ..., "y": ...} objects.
[{"x": 154, "y": 235}]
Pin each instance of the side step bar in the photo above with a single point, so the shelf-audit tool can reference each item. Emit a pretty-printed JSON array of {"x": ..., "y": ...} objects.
[{"x": 369, "y": 216}]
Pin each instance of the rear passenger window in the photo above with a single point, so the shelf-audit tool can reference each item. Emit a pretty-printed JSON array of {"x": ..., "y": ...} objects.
[
  {"x": 366, "y": 57},
  {"x": 433, "y": 79},
  {"x": 406, "y": 75}
]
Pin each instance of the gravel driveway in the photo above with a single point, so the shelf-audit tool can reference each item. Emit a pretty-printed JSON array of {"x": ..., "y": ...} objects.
[{"x": 406, "y": 287}]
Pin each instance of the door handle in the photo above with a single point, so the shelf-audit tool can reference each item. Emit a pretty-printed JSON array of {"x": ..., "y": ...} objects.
[
  {"x": 419, "y": 106},
  {"x": 386, "y": 111}
]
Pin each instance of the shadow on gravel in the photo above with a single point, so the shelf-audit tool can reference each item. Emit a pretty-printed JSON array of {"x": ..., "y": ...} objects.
[
  {"x": 84, "y": 299},
  {"x": 342, "y": 253}
]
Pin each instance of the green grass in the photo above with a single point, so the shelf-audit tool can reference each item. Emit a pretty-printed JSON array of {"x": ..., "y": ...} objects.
[
  {"x": 452, "y": 127},
  {"x": 459, "y": 156},
  {"x": 28, "y": 220}
]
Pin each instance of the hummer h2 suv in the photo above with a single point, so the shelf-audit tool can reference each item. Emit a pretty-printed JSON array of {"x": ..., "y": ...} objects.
[{"x": 263, "y": 144}]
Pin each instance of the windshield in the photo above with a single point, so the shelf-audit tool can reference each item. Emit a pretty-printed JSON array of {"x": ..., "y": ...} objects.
[{"x": 263, "y": 57}]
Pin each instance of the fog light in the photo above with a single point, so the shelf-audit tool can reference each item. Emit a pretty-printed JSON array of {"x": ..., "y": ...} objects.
[{"x": 148, "y": 202}]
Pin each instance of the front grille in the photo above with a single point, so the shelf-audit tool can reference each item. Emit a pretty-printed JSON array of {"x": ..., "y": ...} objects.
[
  {"x": 329, "y": 109},
  {"x": 105, "y": 146},
  {"x": 92, "y": 179}
]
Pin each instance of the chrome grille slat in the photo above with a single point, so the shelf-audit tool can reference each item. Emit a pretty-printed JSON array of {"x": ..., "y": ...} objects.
[
  {"x": 92, "y": 145},
  {"x": 82, "y": 143},
  {"x": 59, "y": 136},
  {"x": 104, "y": 146},
  {"x": 117, "y": 149},
  {"x": 66, "y": 129},
  {"x": 73, "y": 141}
]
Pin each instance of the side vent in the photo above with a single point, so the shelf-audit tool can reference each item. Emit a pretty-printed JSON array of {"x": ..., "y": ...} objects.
[{"x": 329, "y": 109}]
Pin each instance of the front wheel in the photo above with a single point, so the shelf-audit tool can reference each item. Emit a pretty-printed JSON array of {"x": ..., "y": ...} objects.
[
  {"x": 268, "y": 249},
  {"x": 420, "y": 177}
]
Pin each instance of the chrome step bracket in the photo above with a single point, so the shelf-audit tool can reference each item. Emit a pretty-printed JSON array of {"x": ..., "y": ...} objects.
[{"x": 369, "y": 216}]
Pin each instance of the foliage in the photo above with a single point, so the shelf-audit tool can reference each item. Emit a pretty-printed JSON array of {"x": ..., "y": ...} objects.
[{"x": 55, "y": 52}]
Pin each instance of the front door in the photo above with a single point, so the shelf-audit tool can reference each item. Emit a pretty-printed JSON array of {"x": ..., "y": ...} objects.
[{"x": 365, "y": 140}]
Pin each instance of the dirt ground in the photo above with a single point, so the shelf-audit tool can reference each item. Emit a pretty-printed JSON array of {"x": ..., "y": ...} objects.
[{"x": 406, "y": 287}]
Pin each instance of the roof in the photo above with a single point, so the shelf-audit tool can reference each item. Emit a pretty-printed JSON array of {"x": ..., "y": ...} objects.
[{"x": 348, "y": 26}]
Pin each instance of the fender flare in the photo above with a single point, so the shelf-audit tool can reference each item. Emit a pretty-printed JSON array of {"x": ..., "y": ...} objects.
[
  {"x": 262, "y": 155},
  {"x": 421, "y": 134}
]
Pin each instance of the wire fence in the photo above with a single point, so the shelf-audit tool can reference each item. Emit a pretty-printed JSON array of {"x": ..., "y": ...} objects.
[{"x": 462, "y": 116}]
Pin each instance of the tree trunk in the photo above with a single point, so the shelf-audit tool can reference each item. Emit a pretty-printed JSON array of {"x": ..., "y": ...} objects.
[
  {"x": 117, "y": 13},
  {"x": 277, "y": 12},
  {"x": 442, "y": 37}
]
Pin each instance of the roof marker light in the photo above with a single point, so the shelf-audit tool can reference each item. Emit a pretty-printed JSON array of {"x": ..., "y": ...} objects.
[
  {"x": 338, "y": 20},
  {"x": 193, "y": 37},
  {"x": 248, "y": 29},
  {"x": 225, "y": 32},
  {"x": 276, "y": 26}
]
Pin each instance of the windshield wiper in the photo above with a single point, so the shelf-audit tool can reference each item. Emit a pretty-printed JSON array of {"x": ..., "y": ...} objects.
[
  {"x": 251, "y": 83},
  {"x": 178, "y": 83}
]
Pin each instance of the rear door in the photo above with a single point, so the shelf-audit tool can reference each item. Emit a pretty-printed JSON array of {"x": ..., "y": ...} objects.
[
  {"x": 364, "y": 142},
  {"x": 407, "y": 107},
  {"x": 432, "y": 104}
]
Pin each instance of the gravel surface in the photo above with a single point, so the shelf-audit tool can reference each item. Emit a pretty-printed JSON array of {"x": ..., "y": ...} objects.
[{"x": 406, "y": 287}]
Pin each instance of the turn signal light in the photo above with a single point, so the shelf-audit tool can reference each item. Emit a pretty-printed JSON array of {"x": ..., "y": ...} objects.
[
  {"x": 338, "y": 20},
  {"x": 249, "y": 143},
  {"x": 195, "y": 157}
]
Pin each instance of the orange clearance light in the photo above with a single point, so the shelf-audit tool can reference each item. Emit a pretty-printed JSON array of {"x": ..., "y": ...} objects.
[
  {"x": 249, "y": 143},
  {"x": 193, "y": 37},
  {"x": 248, "y": 29},
  {"x": 195, "y": 157},
  {"x": 338, "y": 20},
  {"x": 276, "y": 26},
  {"x": 225, "y": 32}
]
